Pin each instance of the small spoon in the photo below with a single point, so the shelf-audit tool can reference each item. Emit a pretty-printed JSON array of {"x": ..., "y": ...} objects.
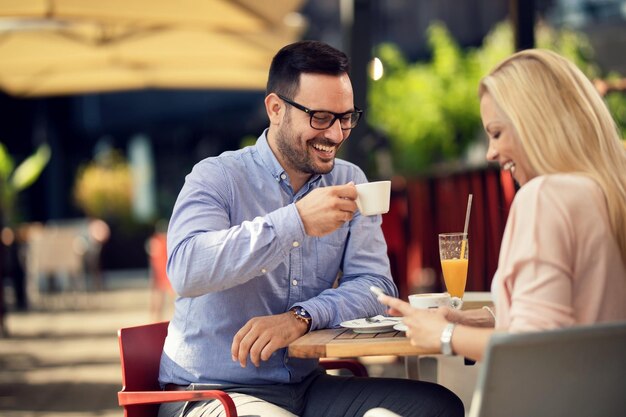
[{"x": 378, "y": 319}]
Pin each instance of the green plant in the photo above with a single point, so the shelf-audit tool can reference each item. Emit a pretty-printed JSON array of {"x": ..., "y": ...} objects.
[
  {"x": 430, "y": 110},
  {"x": 411, "y": 102},
  {"x": 15, "y": 179},
  {"x": 103, "y": 188},
  {"x": 247, "y": 140}
]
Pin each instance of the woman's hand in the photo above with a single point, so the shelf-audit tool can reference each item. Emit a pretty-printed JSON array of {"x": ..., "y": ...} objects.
[
  {"x": 424, "y": 326},
  {"x": 452, "y": 315}
]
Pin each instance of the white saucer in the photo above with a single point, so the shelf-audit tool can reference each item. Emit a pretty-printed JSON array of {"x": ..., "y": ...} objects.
[
  {"x": 362, "y": 326},
  {"x": 401, "y": 327}
]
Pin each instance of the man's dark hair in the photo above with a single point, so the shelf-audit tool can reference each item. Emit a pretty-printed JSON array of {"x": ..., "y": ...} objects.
[{"x": 303, "y": 57}]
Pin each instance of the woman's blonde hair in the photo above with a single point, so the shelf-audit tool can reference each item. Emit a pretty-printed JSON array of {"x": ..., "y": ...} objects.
[{"x": 563, "y": 124}]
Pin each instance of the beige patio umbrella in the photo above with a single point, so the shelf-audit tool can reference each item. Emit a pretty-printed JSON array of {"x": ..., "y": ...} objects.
[{"x": 75, "y": 46}]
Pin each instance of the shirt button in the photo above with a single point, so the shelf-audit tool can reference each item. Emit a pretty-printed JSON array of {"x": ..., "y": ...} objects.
[
  {"x": 294, "y": 282},
  {"x": 296, "y": 244},
  {"x": 263, "y": 271},
  {"x": 283, "y": 176}
]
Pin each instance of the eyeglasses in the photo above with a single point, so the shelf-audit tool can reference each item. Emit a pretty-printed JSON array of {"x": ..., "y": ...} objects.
[{"x": 323, "y": 119}]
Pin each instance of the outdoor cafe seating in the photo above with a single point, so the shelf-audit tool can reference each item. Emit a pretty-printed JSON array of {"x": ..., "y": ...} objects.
[
  {"x": 61, "y": 258},
  {"x": 140, "y": 354},
  {"x": 573, "y": 372}
]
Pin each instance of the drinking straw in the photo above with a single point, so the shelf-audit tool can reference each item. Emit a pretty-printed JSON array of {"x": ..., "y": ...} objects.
[{"x": 467, "y": 216}]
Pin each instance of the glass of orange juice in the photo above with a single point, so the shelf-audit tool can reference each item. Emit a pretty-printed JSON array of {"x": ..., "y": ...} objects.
[{"x": 454, "y": 255}]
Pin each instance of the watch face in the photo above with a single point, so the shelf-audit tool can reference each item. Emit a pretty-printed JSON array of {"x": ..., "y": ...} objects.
[{"x": 302, "y": 312}]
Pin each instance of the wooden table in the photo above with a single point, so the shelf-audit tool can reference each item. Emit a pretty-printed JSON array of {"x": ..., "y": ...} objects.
[
  {"x": 476, "y": 299},
  {"x": 345, "y": 343}
]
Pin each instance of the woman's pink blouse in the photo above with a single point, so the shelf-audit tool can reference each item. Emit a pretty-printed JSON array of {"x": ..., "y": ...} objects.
[{"x": 559, "y": 263}]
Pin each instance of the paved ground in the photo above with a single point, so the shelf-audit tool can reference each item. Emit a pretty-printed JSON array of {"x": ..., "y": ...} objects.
[{"x": 65, "y": 362}]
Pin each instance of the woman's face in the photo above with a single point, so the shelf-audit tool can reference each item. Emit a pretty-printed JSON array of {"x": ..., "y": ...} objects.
[{"x": 504, "y": 145}]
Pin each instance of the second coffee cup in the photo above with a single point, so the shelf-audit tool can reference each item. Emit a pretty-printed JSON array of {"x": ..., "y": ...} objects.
[{"x": 430, "y": 300}]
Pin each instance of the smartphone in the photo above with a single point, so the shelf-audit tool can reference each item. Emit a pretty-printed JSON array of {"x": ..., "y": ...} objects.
[{"x": 376, "y": 290}]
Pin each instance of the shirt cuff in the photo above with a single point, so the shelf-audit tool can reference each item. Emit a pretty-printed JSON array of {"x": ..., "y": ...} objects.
[{"x": 287, "y": 226}]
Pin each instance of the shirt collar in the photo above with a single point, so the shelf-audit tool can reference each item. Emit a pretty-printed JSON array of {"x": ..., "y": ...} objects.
[{"x": 271, "y": 162}]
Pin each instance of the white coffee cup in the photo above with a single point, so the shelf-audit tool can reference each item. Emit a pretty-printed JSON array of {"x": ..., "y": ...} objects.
[
  {"x": 434, "y": 300},
  {"x": 373, "y": 197}
]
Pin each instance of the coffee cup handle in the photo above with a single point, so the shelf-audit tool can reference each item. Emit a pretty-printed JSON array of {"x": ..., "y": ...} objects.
[{"x": 456, "y": 303}]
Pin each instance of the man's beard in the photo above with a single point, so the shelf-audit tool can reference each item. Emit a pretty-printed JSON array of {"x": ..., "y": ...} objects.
[{"x": 296, "y": 153}]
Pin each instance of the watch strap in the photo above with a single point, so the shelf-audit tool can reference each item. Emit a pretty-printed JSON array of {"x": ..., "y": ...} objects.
[
  {"x": 302, "y": 315},
  {"x": 446, "y": 339}
]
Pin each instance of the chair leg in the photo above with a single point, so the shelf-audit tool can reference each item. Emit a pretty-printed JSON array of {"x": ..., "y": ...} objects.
[{"x": 352, "y": 365}]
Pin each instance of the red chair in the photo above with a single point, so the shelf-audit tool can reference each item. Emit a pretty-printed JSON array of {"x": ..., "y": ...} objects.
[{"x": 140, "y": 354}]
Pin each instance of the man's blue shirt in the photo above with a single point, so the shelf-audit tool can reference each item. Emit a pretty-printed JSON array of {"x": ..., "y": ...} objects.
[{"x": 237, "y": 250}]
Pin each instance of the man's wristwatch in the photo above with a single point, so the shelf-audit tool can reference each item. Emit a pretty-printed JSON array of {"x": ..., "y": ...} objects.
[
  {"x": 446, "y": 339},
  {"x": 301, "y": 314}
]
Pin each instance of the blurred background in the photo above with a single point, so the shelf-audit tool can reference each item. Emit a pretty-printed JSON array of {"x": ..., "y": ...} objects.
[{"x": 106, "y": 106}]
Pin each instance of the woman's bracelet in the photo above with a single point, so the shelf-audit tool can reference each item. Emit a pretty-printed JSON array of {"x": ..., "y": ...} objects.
[{"x": 490, "y": 312}]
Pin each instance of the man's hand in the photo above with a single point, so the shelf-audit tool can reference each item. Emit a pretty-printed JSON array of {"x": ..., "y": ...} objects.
[
  {"x": 260, "y": 337},
  {"x": 325, "y": 209}
]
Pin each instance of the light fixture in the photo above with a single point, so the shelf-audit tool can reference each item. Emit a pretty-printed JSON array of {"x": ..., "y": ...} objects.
[{"x": 376, "y": 69}]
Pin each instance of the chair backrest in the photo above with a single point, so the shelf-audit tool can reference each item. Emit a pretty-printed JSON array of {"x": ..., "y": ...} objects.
[
  {"x": 140, "y": 353},
  {"x": 578, "y": 371}
]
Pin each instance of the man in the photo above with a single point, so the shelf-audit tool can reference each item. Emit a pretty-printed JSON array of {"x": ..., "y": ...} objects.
[{"x": 256, "y": 242}]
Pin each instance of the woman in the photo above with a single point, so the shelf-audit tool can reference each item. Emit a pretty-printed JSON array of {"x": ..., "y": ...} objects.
[{"x": 563, "y": 256}]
